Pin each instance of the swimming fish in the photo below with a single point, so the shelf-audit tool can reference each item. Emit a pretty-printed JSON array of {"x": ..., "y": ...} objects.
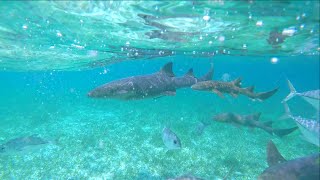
[
  {"x": 312, "y": 96},
  {"x": 19, "y": 144},
  {"x": 170, "y": 139},
  {"x": 304, "y": 168},
  {"x": 233, "y": 88},
  {"x": 308, "y": 127},
  {"x": 252, "y": 121},
  {"x": 161, "y": 83}
]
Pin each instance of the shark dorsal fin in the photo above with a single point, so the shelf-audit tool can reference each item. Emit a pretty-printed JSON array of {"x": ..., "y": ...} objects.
[
  {"x": 273, "y": 155},
  {"x": 167, "y": 69},
  {"x": 190, "y": 73},
  {"x": 237, "y": 82}
]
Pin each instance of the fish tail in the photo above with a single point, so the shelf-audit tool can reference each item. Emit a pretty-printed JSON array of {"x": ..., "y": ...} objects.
[
  {"x": 266, "y": 95},
  {"x": 284, "y": 132},
  {"x": 207, "y": 76},
  {"x": 287, "y": 113},
  {"x": 292, "y": 93}
]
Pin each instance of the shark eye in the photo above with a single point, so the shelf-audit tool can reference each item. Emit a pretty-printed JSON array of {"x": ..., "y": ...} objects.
[{"x": 174, "y": 142}]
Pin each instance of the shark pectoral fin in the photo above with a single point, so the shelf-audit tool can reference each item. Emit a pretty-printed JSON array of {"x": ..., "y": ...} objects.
[
  {"x": 169, "y": 93},
  {"x": 234, "y": 95},
  {"x": 273, "y": 155},
  {"x": 218, "y": 93}
]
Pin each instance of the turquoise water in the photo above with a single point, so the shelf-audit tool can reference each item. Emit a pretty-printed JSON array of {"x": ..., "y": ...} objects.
[
  {"x": 94, "y": 138},
  {"x": 45, "y": 79}
]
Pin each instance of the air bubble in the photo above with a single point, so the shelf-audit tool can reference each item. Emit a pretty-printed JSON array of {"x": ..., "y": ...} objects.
[
  {"x": 274, "y": 60},
  {"x": 259, "y": 23},
  {"x": 206, "y": 18}
]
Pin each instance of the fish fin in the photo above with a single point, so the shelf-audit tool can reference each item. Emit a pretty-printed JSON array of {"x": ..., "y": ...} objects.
[
  {"x": 237, "y": 82},
  {"x": 234, "y": 95},
  {"x": 190, "y": 73},
  {"x": 218, "y": 93},
  {"x": 207, "y": 76},
  {"x": 167, "y": 69},
  {"x": 287, "y": 113},
  {"x": 169, "y": 93},
  {"x": 250, "y": 89},
  {"x": 292, "y": 93},
  {"x": 273, "y": 155},
  {"x": 265, "y": 95},
  {"x": 284, "y": 132}
]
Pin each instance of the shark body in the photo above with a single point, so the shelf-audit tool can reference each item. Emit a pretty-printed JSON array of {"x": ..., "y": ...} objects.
[{"x": 161, "y": 83}]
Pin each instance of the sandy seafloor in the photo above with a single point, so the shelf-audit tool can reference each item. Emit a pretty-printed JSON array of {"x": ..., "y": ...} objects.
[{"x": 111, "y": 139}]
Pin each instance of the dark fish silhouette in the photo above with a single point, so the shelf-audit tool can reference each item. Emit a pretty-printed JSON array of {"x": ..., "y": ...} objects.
[
  {"x": 18, "y": 144},
  {"x": 157, "y": 84},
  {"x": 233, "y": 88},
  {"x": 304, "y": 168}
]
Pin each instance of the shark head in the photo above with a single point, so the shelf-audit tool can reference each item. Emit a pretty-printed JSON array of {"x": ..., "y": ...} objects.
[{"x": 116, "y": 89}]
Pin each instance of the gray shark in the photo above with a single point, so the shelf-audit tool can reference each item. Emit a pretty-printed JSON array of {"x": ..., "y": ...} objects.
[
  {"x": 157, "y": 84},
  {"x": 19, "y": 144},
  {"x": 312, "y": 97},
  {"x": 309, "y": 127},
  {"x": 304, "y": 168},
  {"x": 233, "y": 88},
  {"x": 252, "y": 121}
]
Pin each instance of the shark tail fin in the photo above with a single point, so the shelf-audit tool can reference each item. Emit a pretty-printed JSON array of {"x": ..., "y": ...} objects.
[
  {"x": 292, "y": 93},
  {"x": 266, "y": 95},
  {"x": 190, "y": 73},
  {"x": 207, "y": 76},
  {"x": 273, "y": 155},
  {"x": 237, "y": 82},
  {"x": 284, "y": 132}
]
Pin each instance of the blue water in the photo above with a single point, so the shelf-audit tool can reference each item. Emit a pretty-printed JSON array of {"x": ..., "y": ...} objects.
[{"x": 113, "y": 139}]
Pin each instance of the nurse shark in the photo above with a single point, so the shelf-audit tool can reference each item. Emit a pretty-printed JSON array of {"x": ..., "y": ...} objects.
[
  {"x": 233, "y": 88},
  {"x": 161, "y": 83}
]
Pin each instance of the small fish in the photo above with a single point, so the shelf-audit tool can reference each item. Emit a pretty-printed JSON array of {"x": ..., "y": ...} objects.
[
  {"x": 304, "y": 168},
  {"x": 276, "y": 38},
  {"x": 19, "y": 144},
  {"x": 312, "y": 97},
  {"x": 170, "y": 139},
  {"x": 309, "y": 127}
]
